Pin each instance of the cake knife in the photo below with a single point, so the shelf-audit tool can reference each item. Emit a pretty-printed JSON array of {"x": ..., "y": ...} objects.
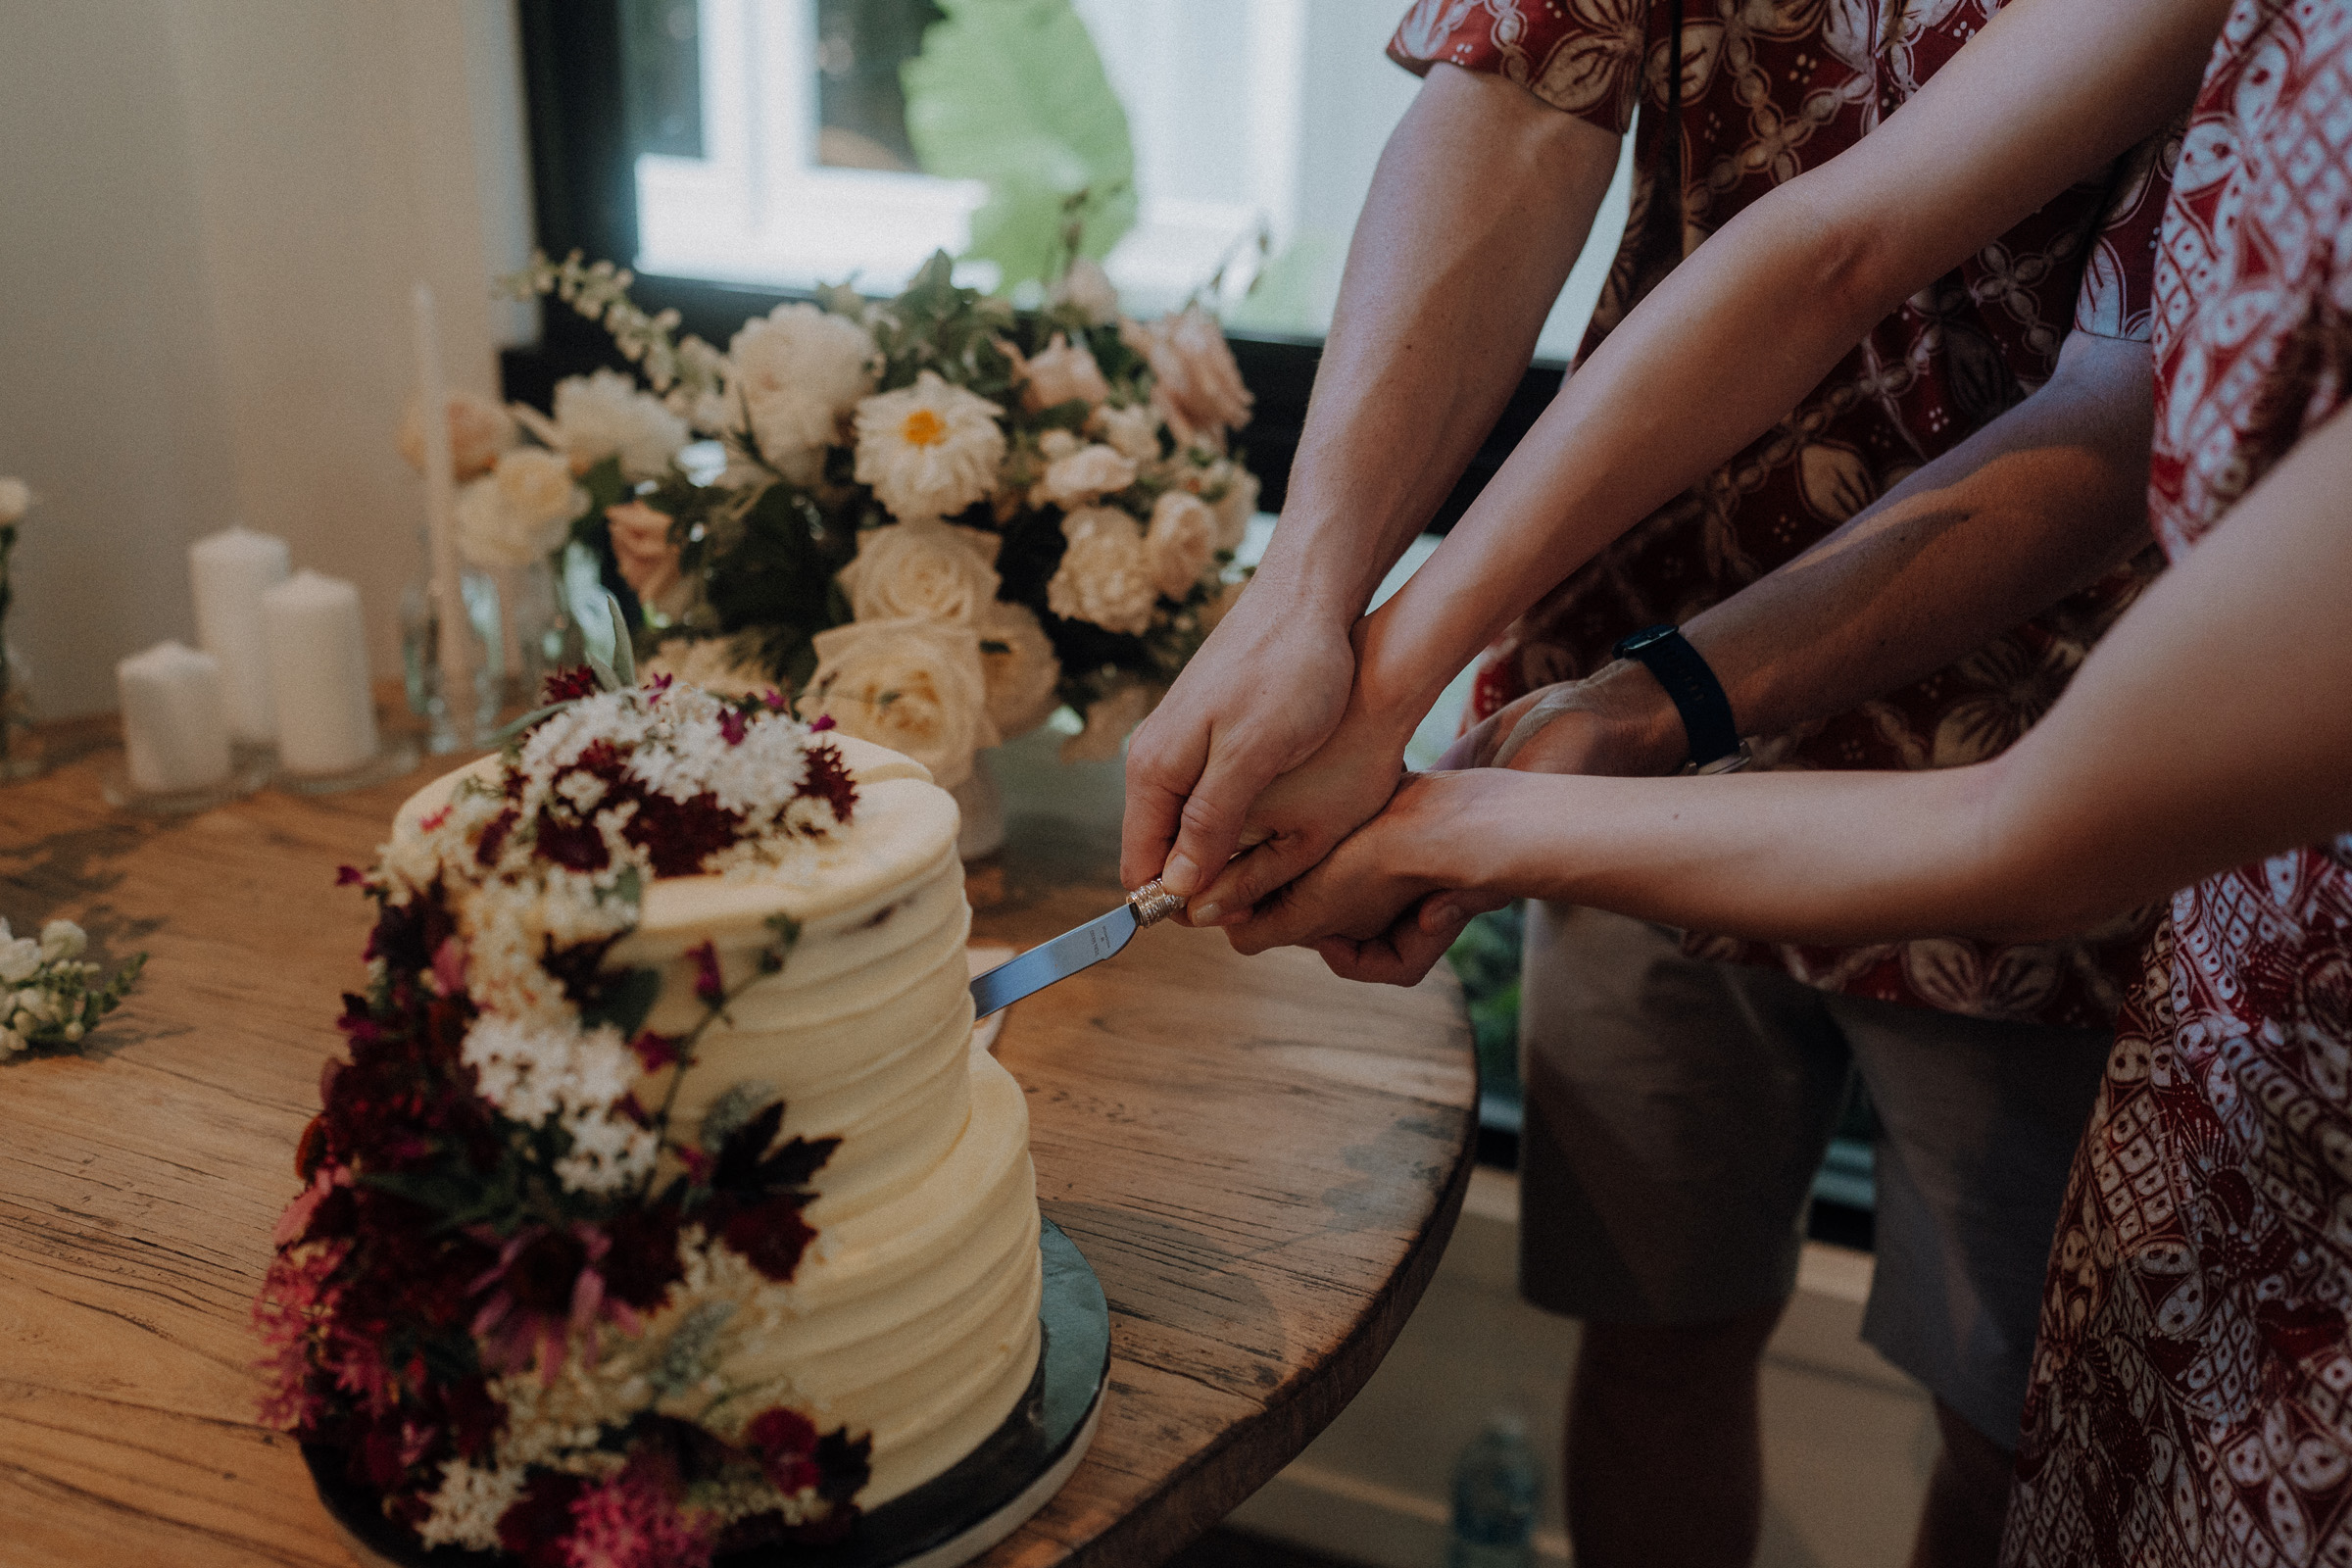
[{"x": 1073, "y": 950}]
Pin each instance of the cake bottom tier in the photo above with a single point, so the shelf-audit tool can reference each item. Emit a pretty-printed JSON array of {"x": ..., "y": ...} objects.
[{"x": 916, "y": 1321}]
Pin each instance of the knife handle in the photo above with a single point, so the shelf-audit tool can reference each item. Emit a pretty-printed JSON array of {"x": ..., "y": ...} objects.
[{"x": 1152, "y": 903}]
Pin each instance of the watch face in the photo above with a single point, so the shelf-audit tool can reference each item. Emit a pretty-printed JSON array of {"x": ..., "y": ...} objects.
[{"x": 1647, "y": 637}]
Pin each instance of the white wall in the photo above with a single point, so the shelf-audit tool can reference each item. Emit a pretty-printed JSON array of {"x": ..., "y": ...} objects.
[{"x": 213, "y": 213}]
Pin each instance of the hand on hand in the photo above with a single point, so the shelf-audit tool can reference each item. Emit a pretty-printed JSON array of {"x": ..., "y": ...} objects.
[
  {"x": 1297, "y": 822},
  {"x": 1264, "y": 694}
]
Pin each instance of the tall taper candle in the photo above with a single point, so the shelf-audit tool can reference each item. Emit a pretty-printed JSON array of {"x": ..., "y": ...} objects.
[
  {"x": 229, "y": 570},
  {"x": 319, "y": 674},
  {"x": 441, "y": 518},
  {"x": 175, "y": 723}
]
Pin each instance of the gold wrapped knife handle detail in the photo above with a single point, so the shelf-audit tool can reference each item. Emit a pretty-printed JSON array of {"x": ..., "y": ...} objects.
[{"x": 1152, "y": 903}]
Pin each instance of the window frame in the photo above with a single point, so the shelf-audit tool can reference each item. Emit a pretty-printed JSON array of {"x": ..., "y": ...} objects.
[{"x": 584, "y": 198}]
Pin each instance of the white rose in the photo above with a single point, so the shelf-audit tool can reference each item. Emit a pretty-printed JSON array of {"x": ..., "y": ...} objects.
[
  {"x": 1105, "y": 575},
  {"x": 1082, "y": 475},
  {"x": 925, "y": 569},
  {"x": 1133, "y": 432},
  {"x": 1061, "y": 373},
  {"x": 15, "y": 499},
  {"x": 519, "y": 512},
  {"x": 1196, "y": 385},
  {"x": 797, "y": 372},
  {"x": 479, "y": 429},
  {"x": 1088, "y": 288},
  {"x": 603, "y": 414},
  {"x": 914, "y": 686},
  {"x": 929, "y": 450},
  {"x": 1109, "y": 719},
  {"x": 1017, "y": 659},
  {"x": 1180, "y": 542}
]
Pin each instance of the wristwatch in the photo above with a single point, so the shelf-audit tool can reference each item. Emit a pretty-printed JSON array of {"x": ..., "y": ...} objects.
[{"x": 1698, "y": 695}]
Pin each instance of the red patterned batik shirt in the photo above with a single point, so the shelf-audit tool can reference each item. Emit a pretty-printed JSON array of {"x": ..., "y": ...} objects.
[
  {"x": 2191, "y": 1400},
  {"x": 1769, "y": 88}
]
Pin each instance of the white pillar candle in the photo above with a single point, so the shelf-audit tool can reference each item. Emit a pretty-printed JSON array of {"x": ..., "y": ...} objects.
[
  {"x": 175, "y": 722},
  {"x": 230, "y": 569},
  {"x": 319, "y": 674}
]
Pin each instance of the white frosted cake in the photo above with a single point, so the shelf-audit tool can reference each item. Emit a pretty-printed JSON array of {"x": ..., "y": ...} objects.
[{"x": 664, "y": 1146}]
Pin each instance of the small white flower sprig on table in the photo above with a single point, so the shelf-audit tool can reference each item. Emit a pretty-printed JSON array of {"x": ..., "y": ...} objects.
[
  {"x": 49, "y": 995},
  {"x": 939, "y": 518}
]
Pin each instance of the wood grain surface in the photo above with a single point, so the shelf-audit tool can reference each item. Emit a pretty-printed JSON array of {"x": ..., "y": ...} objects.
[{"x": 1261, "y": 1162}]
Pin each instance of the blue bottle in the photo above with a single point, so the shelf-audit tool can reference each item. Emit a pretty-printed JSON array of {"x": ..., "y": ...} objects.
[{"x": 1495, "y": 1485}]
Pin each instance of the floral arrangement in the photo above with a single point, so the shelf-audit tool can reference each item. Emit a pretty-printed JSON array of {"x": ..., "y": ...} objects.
[
  {"x": 48, "y": 994},
  {"x": 934, "y": 519},
  {"x": 508, "y": 1290}
]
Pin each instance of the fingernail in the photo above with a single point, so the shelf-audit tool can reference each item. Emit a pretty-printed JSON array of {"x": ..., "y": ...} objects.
[
  {"x": 1180, "y": 876},
  {"x": 1205, "y": 915}
]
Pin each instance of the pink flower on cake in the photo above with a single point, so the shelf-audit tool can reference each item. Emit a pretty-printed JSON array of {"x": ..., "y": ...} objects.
[
  {"x": 632, "y": 1520},
  {"x": 545, "y": 1287}
]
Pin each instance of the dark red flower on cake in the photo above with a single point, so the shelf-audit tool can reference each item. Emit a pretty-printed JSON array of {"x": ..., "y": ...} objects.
[
  {"x": 568, "y": 685},
  {"x": 732, "y": 726},
  {"x": 573, "y": 845},
  {"x": 493, "y": 842},
  {"x": 829, "y": 780},
  {"x": 537, "y": 1528},
  {"x": 820, "y": 723},
  {"x": 547, "y": 1283},
  {"x": 771, "y": 1235},
  {"x": 709, "y": 983},
  {"x": 654, "y": 1051},
  {"x": 785, "y": 1441},
  {"x": 644, "y": 1261},
  {"x": 350, "y": 877},
  {"x": 680, "y": 835}
]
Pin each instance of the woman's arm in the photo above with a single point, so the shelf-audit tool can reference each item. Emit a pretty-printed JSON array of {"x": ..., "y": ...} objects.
[
  {"x": 2212, "y": 726},
  {"x": 2050, "y": 93}
]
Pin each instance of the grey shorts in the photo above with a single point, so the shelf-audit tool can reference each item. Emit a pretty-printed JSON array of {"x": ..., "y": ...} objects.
[{"x": 1676, "y": 1110}]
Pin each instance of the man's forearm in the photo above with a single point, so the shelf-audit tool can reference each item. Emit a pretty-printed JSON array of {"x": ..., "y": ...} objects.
[
  {"x": 1483, "y": 198},
  {"x": 2030, "y": 508},
  {"x": 2045, "y": 96}
]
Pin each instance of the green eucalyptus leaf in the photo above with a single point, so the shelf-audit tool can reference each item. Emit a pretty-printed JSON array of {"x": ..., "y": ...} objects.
[{"x": 1012, "y": 92}]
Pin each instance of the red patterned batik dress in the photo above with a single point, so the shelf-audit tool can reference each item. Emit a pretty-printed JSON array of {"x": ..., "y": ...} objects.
[
  {"x": 2192, "y": 1385},
  {"x": 1769, "y": 88}
]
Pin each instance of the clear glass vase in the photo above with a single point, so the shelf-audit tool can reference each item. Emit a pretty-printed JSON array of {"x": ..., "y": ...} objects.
[
  {"x": 21, "y": 753},
  {"x": 460, "y": 726}
]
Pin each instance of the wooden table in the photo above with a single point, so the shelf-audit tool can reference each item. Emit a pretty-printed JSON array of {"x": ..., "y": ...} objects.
[{"x": 1261, "y": 1162}]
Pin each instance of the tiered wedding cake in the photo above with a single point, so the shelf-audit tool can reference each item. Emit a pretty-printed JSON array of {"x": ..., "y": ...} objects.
[{"x": 663, "y": 1200}]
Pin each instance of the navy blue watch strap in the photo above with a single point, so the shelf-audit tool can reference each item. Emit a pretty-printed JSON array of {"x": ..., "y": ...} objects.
[{"x": 1698, "y": 695}]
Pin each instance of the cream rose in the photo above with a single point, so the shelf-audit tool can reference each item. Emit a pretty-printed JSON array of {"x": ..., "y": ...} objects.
[
  {"x": 1017, "y": 662},
  {"x": 797, "y": 372},
  {"x": 604, "y": 415},
  {"x": 925, "y": 569},
  {"x": 1061, "y": 373},
  {"x": 520, "y": 511},
  {"x": 1237, "y": 506},
  {"x": 1105, "y": 575},
  {"x": 16, "y": 500},
  {"x": 1180, "y": 542},
  {"x": 1088, "y": 288},
  {"x": 912, "y": 685},
  {"x": 1196, "y": 385},
  {"x": 1132, "y": 432},
  {"x": 1109, "y": 720},
  {"x": 1081, "y": 476},
  {"x": 479, "y": 429},
  {"x": 929, "y": 450}
]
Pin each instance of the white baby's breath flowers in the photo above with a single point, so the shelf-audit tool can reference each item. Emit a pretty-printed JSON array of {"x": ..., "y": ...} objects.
[
  {"x": 1083, "y": 475},
  {"x": 464, "y": 1510},
  {"x": 912, "y": 685},
  {"x": 1132, "y": 432},
  {"x": 1088, "y": 288},
  {"x": 604, "y": 415},
  {"x": 1060, "y": 373},
  {"x": 1018, "y": 666},
  {"x": 1105, "y": 575},
  {"x": 929, "y": 450},
  {"x": 1180, "y": 542},
  {"x": 520, "y": 511},
  {"x": 922, "y": 569},
  {"x": 797, "y": 372},
  {"x": 15, "y": 499},
  {"x": 1109, "y": 721}
]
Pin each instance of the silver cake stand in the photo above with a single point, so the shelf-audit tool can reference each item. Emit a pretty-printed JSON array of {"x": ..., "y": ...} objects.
[{"x": 949, "y": 1519}]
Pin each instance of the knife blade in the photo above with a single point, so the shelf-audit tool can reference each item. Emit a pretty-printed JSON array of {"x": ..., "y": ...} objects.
[{"x": 1082, "y": 948}]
